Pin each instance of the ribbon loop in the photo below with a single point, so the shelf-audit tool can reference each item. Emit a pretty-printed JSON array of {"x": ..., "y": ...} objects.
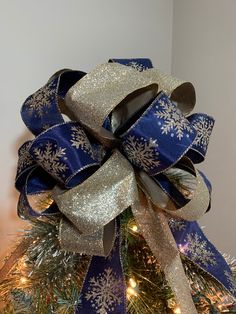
[
  {"x": 42, "y": 109},
  {"x": 98, "y": 243},
  {"x": 191, "y": 211},
  {"x": 102, "y": 197},
  {"x": 94, "y": 97},
  {"x": 179, "y": 91},
  {"x": 65, "y": 160},
  {"x": 159, "y": 138},
  {"x": 203, "y": 124},
  {"x": 35, "y": 199},
  {"x": 24, "y": 165}
]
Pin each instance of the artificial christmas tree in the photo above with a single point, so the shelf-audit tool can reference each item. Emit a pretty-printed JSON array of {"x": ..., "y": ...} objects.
[{"x": 113, "y": 196}]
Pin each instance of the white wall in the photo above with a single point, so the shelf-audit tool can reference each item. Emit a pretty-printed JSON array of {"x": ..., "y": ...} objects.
[
  {"x": 204, "y": 51},
  {"x": 40, "y": 37}
]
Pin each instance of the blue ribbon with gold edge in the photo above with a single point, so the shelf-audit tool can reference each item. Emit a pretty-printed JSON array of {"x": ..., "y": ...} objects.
[{"x": 126, "y": 145}]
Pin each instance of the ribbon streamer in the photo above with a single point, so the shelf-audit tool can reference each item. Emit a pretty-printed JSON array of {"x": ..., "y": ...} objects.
[{"x": 131, "y": 143}]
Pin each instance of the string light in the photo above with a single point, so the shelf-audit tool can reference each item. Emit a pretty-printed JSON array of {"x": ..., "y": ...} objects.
[
  {"x": 134, "y": 228},
  {"x": 177, "y": 310},
  {"x": 131, "y": 291},
  {"x": 23, "y": 280},
  {"x": 132, "y": 283},
  {"x": 220, "y": 307}
]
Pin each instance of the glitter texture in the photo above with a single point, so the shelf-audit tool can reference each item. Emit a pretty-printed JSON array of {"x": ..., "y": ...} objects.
[
  {"x": 97, "y": 201},
  {"x": 155, "y": 229},
  {"x": 94, "y": 97},
  {"x": 183, "y": 93},
  {"x": 93, "y": 244}
]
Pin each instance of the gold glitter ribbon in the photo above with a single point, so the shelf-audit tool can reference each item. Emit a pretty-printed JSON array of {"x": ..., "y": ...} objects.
[
  {"x": 181, "y": 92},
  {"x": 192, "y": 211},
  {"x": 93, "y": 98},
  {"x": 153, "y": 225},
  {"x": 91, "y": 207}
]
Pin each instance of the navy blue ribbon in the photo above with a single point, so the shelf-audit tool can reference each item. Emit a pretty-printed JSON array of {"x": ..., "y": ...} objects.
[
  {"x": 162, "y": 133},
  {"x": 61, "y": 151},
  {"x": 192, "y": 243},
  {"x": 70, "y": 160},
  {"x": 104, "y": 289},
  {"x": 42, "y": 110}
]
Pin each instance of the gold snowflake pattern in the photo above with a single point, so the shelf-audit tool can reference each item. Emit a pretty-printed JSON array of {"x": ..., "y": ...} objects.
[
  {"x": 51, "y": 159},
  {"x": 176, "y": 224},
  {"x": 204, "y": 128},
  {"x": 41, "y": 100},
  {"x": 198, "y": 250},
  {"x": 173, "y": 122},
  {"x": 25, "y": 160},
  {"x": 142, "y": 153},
  {"x": 231, "y": 281},
  {"x": 80, "y": 140},
  {"x": 137, "y": 66},
  {"x": 105, "y": 291}
]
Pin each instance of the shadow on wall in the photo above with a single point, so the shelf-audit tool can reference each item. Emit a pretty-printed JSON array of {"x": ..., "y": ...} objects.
[{"x": 11, "y": 226}]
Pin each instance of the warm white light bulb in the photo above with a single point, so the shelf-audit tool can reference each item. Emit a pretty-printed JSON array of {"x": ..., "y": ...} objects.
[
  {"x": 23, "y": 280},
  {"x": 177, "y": 310},
  {"x": 220, "y": 307},
  {"x": 132, "y": 283},
  {"x": 131, "y": 292},
  {"x": 134, "y": 228}
]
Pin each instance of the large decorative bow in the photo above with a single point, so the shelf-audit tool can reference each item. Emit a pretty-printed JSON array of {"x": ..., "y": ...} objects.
[{"x": 130, "y": 142}]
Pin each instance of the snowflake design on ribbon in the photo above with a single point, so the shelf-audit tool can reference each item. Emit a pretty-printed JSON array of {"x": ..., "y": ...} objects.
[
  {"x": 105, "y": 291},
  {"x": 231, "y": 281},
  {"x": 41, "y": 100},
  {"x": 198, "y": 250},
  {"x": 51, "y": 159},
  {"x": 137, "y": 66},
  {"x": 80, "y": 140},
  {"x": 173, "y": 122},
  {"x": 25, "y": 160},
  {"x": 203, "y": 127},
  {"x": 142, "y": 153},
  {"x": 176, "y": 224}
]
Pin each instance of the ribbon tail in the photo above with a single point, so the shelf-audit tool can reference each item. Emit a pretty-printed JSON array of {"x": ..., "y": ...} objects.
[
  {"x": 104, "y": 287},
  {"x": 155, "y": 229},
  {"x": 208, "y": 258}
]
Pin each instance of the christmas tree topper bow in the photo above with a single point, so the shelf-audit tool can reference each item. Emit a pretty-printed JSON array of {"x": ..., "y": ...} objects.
[{"x": 130, "y": 143}]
